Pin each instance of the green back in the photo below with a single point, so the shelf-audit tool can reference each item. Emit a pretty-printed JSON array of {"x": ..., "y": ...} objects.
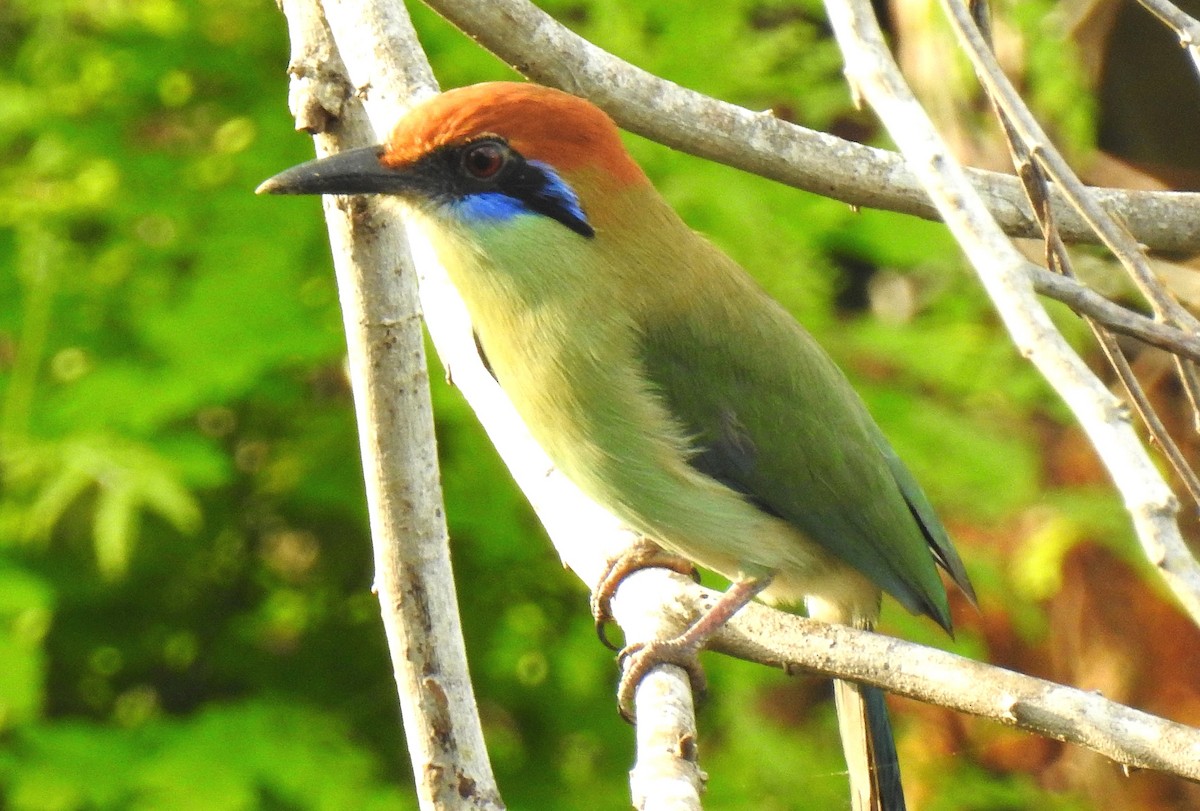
[{"x": 776, "y": 420}]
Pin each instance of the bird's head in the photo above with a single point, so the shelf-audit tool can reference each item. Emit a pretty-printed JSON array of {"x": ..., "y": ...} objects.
[{"x": 486, "y": 153}]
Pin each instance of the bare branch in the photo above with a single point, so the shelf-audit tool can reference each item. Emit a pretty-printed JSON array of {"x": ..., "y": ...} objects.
[
  {"x": 542, "y": 49},
  {"x": 1086, "y": 301},
  {"x": 667, "y": 773},
  {"x": 1128, "y": 736},
  {"x": 377, "y": 288}
]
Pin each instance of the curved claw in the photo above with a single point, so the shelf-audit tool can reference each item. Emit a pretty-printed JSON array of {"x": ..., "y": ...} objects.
[
  {"x": 602, "y": 634},
  {"x": 638, "y": 659},
  {"x": 602, "y": 614},
  {"x": 644, "y": 554}
]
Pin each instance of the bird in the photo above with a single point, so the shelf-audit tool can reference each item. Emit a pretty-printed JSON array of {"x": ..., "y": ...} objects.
[{"x": 659, "y": 376}]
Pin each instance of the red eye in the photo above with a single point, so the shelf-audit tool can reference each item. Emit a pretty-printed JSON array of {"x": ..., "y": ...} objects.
[{"x": 483, "y": 160}]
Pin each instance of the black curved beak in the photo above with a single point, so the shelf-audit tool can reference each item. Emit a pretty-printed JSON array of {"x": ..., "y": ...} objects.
[{"x": 355, "y": 171}]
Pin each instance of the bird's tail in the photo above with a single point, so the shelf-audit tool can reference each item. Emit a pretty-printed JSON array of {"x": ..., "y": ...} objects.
[{"x": 869, "y": 746}]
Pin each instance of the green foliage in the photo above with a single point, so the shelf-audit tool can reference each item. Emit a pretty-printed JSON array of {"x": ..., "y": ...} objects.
[
  {"x": 1058, "y": 86},
  {"x": 185, "y": 616},
  {"x": 223, "y": 758},
  {"x": 25, "y": 613},
  {"x": 124, "y": 478}
]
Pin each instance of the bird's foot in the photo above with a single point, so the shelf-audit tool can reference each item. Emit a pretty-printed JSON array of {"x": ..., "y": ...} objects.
[
  {"x": 638, "y": 659},
  {"x": 643, "y": 554}
]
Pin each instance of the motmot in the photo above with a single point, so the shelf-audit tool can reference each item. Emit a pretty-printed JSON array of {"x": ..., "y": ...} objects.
[{"x": 659, "y": 377}]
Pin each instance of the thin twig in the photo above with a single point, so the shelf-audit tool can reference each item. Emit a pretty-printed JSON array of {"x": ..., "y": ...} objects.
[
  {"x": 1087, "y": 302},
  {"x": 1145, "y": 410},
  {"x": 1187, "y": 29},
  {"x": 1190, "y": 378},
  {"x": 1022, "y": 125},
  {"x": 1146, "y": 494}
]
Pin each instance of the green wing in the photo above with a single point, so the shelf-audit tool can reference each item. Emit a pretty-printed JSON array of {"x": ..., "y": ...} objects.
[
  {"x": 773, "y": 418},
  {"x": 935, "y": 534}
]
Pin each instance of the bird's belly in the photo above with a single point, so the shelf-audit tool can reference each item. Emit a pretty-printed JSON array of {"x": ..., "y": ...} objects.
[
  {"x": 658, "y": 494},
  {"x": 587, "y": 406}
]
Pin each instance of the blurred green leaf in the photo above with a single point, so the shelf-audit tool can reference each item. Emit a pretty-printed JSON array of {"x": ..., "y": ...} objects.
[
  {"x": 124, "y": 478},
  {"x": 228, "y": 758},
  {"x": 26, "y": 608}
]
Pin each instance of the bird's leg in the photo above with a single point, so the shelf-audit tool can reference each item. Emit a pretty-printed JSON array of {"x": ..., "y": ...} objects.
[
  {"x": 640, "y": 658},
  {"x": 643, "y": 554}
]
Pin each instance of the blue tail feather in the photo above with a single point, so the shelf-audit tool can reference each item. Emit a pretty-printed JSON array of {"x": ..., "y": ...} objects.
[{"x": 882, "y": 745}]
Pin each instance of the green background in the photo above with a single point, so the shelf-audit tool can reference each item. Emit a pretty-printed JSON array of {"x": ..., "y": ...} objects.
[{"x": 185, "y": 614}]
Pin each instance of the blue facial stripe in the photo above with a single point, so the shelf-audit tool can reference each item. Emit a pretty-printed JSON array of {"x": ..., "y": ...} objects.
[
  {"x": 490, "y": 206},
  {"x": 535, "y": 190}
]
